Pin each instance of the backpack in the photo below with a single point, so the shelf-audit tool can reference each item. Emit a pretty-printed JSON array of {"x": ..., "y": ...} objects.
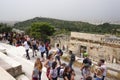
[
  {"x": 73, "y": 57},
  {"x": 60, "y": 52},
  {"x": 28, "y": 42},
  {"x": 60, "y": 73},
  {"x": 87, "y": 61}
]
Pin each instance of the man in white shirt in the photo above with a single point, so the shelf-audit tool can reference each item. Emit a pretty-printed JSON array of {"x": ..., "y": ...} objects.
[
  {"x": 104, "y": 68},
  {"x": 27, "y": 49}
]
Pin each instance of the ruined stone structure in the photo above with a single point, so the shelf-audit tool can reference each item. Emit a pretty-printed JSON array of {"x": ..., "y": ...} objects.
[
  {"x": 97, "y": 46},
  {"x": 62, "y": 40}
]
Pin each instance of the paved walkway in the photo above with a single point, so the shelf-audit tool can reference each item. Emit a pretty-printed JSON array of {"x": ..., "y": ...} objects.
[{"x": 18, "y": 53}]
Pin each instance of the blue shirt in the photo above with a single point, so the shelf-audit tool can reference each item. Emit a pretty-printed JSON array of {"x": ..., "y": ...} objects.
[{"x": 41, "y": 48}]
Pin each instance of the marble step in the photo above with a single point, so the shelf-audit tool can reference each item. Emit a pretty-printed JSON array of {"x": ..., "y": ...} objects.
[
  {"x": 10, "y": 65},
  {"x": 4, "y": 75}
]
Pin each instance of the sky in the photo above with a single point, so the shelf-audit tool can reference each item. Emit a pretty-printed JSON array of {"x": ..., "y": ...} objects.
[{"x": 93, "y": 11}]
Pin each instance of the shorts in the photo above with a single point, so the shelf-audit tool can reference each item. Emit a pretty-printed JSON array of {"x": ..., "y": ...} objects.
[{"x": 34, "y": 47}]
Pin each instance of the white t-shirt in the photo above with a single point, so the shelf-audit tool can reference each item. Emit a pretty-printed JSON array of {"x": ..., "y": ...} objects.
[
  {"x": 86, "y": 72},
  {"x": 26, "y": 45},
  {"x": 61, "y": 72},
  {"x": 57, "y": 50},
  {"x": 51, "y": 51},
  {"x": 53, "y": 73},
  {"x": 105, "y": 70}
]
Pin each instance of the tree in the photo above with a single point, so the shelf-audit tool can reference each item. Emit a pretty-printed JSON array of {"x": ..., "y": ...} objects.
[
  {"x": 41, "y": 30},
  {"x": 5, "y": 28}
]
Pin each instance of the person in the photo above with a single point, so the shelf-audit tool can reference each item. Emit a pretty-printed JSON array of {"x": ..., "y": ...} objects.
[
  {"x": 66, "y": 73},
  {"x": 48, "y": 64},
  {"x": 98, "y": 72},
  {"x": 18, "y": 42},
  {"x": 34, "y": 47},
  {"x": 86, "y": 61},
  {"x": 61, "y": 69},
  {"x": 27, "y": 49},
  {"x": 72, "y": 72},
  {"x": 53, "y": 71},
  {"x": 86, "y": 71},
  {"x": 50, "y": 51},
  {"x": 63, "y": 48},
  {"x": 104, "y": 68},
  {"x": 47, "y": 45},
  {"x": 89, "y": 78},
  {"x": 36, "y": 75},
  {"x": 58, "y": 54},
  {"x": 42, "y": 50},
  {"x": 72, "y": 59}
]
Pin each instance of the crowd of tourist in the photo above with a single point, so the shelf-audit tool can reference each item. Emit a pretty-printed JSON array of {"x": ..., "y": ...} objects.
[{"x": 56, "y": 70}]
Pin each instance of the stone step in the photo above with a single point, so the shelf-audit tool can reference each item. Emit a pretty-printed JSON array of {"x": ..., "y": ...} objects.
[
  {"x": 3, "y": 50},
  {"x": 6, "y": 66},
  {"x": 27, "y": 65},
  {"x": 4, "y": 75},
  {"x": 14, "y": 68}
]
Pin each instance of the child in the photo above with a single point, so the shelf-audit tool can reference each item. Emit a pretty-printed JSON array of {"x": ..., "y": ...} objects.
[
  {"x": 37, "y": 70},
  {"x": 53, "y": 72},
  {"x": 48, "y": 64}
]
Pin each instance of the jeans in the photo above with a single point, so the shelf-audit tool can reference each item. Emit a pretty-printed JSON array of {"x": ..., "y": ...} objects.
[
  {"x": 47, "y": 53},
  {"x": 39, "y": 75},
  {"x": 27, "y": 54},
  {"x": 103, "y": 77},
  {"x": 58, "y": 58},
  {"x": 71, "y": 63},
  {"x": 42, "y": 54},
  {"x": 98, "y": 78}
]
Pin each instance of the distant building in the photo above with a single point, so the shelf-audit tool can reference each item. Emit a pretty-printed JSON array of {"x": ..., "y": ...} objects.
[
  {"x": 97, "y": 46},
  {"x": 17, "y": 30}
]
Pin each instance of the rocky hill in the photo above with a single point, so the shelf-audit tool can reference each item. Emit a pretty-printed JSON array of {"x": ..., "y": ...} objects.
[{"x": 77, "y": 26}]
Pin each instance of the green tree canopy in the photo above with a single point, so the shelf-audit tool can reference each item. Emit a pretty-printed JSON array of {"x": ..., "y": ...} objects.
[
  {"x": 105, "y": 28},
  {"x": 41, "y": 30},
  {"x": 5, "y": 28}
]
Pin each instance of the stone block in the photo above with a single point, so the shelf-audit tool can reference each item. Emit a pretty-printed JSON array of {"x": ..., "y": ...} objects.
[
  {"x": 10, "y": 65},
  {"x": 5, "y": 75}
]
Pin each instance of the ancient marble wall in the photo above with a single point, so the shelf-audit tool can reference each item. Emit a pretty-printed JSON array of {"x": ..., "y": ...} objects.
[{"x": 95, "y": 47}]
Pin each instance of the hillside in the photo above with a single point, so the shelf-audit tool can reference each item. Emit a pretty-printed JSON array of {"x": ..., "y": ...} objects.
[{"x": 78, "y": 26}]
